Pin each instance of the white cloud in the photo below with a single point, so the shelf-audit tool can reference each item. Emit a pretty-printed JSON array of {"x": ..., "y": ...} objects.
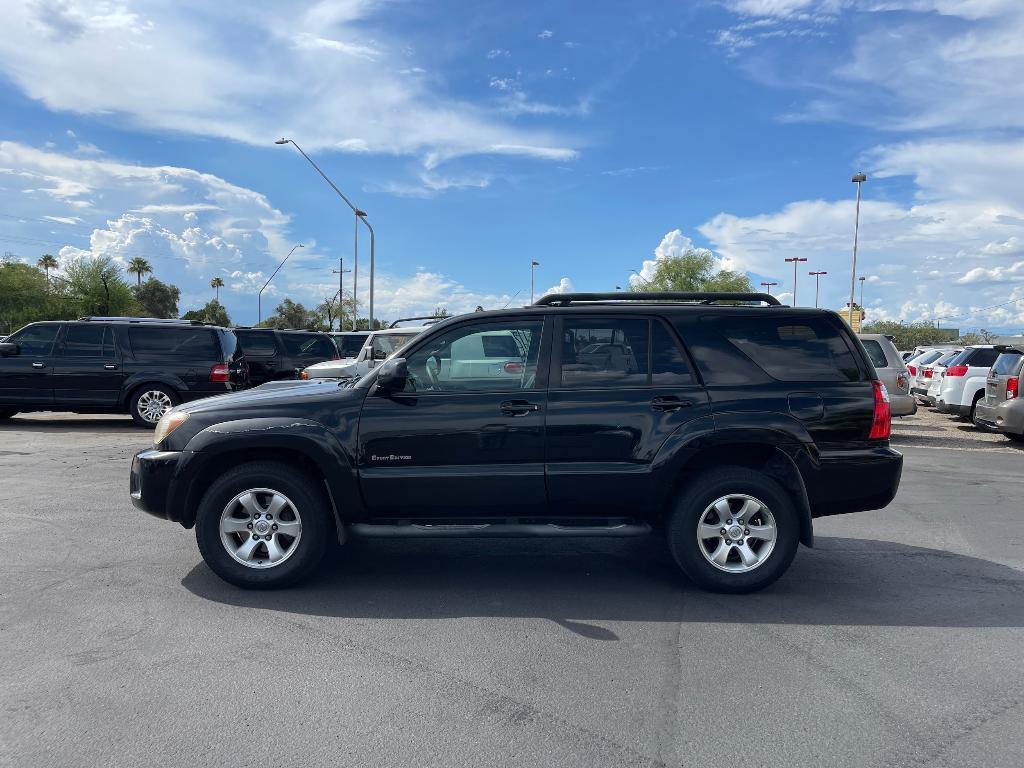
[
  {"x": 545, "y": 34},
  {"x": 159, "y": 68},
  {"x": 673, "y": 244},
  {"x": 564, "y": 286}
]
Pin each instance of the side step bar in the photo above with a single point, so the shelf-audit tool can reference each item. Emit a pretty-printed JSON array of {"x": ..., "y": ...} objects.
[{"x": 494, "y": 530}]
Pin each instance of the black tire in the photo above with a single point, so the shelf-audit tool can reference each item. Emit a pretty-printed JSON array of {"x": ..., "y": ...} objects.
[
  {"x": 1012, "y": 436},
  {"x": 145, "y": 393},
  {"x": 690, "y": 507},
  {"x": 311, "y": 508},
  {"x": 6, "y": 414},
  {"x": 974, "y": 407}
]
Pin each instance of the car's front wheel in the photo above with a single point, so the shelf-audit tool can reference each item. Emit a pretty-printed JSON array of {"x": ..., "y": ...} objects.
[
  {"x": 263, "y": 525},
  {"x": 733, "y": 530}
]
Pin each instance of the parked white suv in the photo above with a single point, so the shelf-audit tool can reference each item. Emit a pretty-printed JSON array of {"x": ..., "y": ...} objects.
[
  {"x": 963, "y": 381},
  {"x": 379, "y": 346}
]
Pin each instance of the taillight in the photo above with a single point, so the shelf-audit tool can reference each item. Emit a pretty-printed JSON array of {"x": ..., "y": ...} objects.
[
  {"x": 882, "y": 420},
  {"x": 956, "y": 370},
  {"x": 927, "y": 373},
  {"x": 511, "y": 367},
  {"x": 220, "y": 372},
  {"x": 1011, "y": 387},
  {"x": 912, "y": 369}
]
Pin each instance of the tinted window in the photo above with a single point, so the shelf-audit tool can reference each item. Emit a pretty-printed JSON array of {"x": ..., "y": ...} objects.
[
  {"x": 793, "y": 349},
  {"x": 928, "y": 357},
  {"x": 604, "y": 352},
  {"x": 945, "y": 358},
  {"x": 349, "y": 346},
  {"x": 668, "y": 363},
  {"x": 88, "y": 340},
  {"x": 257, "y": 344},
  {"x": 386, "y": 344},
  {"x": 875, "y": 353},
  {"x": 983, "y": 357},
  {"x": 456, "y": 361},
  {"x": 303, "y": 345},
  {"x": 1006, "y": 364},
  {"x": 36, "y": 340},
  {"x": 195, "y": 343}
]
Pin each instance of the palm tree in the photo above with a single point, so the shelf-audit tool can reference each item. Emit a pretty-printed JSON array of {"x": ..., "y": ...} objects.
[
  {"x": 46, "y": 263},
  {"x": 139, "y": 267},
  {"x": 217, "y": 283}
]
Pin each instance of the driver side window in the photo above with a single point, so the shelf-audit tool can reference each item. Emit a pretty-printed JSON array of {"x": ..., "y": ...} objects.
[{"x": 484, "y": 357}]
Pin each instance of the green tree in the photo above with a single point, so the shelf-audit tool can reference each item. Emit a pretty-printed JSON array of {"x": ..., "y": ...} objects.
[
  {"x": 909, "y": 335},
  {"x": 157, "y": 299},
  {"x": 290, "y": 314},
  {"x": 327, "y": 312},
  {"x": 23, "y": 295},
  {"x": 139, "y": 267},
  {"x": 217, "y": 283},
  {"x": 46, "y": 263},
  {"x": 96, "y": 287},
  {"x": 693, "y": 270},
  {"x": 441, "y": 311},
  {"x": 212, "y": 312}
]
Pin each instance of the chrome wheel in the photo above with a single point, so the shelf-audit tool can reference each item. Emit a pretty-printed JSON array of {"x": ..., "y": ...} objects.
[
  {"x": 153, "y": 404},
  {"x": 736, "y": 533},
  {"x": 260, "y": 528}
]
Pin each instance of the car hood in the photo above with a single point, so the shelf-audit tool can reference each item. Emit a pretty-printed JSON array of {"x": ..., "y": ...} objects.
[{"x": 267, "y": 398}]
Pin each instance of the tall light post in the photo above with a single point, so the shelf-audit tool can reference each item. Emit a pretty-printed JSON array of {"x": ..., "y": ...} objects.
[
  {"x": 533, "y": 269},
  {"x": 360, "y": 216},
  {"x": 796, "y": 263},
  {"x": 858, "y": 179},
  {"x": 817, "y": 285},
  {"x": 259, "y": 296},
  {"x": 862, "y": 279},
  {"x": 340, "y": 272},
  {"x": 768, "y": 287}
]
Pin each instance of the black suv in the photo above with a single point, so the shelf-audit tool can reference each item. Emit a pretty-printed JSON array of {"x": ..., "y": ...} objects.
[
  {"x": 728, "y": 426},
  {"x": 115, "y": 365},
  {"x": 274, "y": 355}
]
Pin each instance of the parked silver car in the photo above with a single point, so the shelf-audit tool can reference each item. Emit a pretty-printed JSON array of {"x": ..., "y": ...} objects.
[
  {"x": 892, "y": 372},
  {"x": 1002, "y": 408}
]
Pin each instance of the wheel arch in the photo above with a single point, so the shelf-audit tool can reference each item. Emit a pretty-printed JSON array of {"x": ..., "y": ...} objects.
[{"x": 138, "y": 380}]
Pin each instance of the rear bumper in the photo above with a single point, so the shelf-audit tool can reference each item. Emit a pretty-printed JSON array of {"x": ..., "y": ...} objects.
[
  {"x": 1007, "y": 416},
  {"x": 855, "y": 481},
  {"x": 902, "y": 405},
  {"x": 150, "y": 480},
  {"x": 955, "y": 408}
]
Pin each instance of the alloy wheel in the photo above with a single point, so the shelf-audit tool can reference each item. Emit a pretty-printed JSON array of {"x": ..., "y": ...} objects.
[
  {"x": 736, "y": 533},
  {"x": 260, "y": 528},
  {"x": 153, "y": 404}
]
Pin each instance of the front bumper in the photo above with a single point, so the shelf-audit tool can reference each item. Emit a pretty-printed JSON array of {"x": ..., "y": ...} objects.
[
  {"x": 150, "y": 481},
  {"x": 1007, "y": 416}
]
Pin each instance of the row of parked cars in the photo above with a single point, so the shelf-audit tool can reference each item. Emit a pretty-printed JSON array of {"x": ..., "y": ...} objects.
[{"x": 978, "y": 382}]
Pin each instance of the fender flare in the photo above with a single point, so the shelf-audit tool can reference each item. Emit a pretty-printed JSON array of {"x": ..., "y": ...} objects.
[
  {"x": 310, "y": 440},
  {"x": 147, "y": 377}
]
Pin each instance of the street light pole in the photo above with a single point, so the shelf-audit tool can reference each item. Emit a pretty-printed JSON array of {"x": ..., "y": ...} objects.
[
  {"x": 341, "y": 293},
  {"x": 533, "y": 269},
  {"x": 360, "y": 216},
  {"x": 796, "y": 262},
  {"x": 862, "y": 279},
  {"x": 768, "y": 287},
  {"x": 858, "y": 179},
  {"x": 817, "y": 285},
  {"x": 259, "y": 296}
]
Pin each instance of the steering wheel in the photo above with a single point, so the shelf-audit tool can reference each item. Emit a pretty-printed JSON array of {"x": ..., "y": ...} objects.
[{"x": 433, "y": 369}]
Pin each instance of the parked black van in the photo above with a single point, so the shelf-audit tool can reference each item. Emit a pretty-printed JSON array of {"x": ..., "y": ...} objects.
[
  {"x": 140, "y": 366},
  {"x": 274, "y": 355}
]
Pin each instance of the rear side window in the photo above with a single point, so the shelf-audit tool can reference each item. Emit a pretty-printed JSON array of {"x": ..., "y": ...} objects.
[
  {"x": 982, "y": 358},
  {"x": 604, "y": 352},
  {"x": 668, "y": 363},
  {"x": 193, "y": 343},
  {"x": 793, "y": 348},
  {"x": 87, "y": 340},
  {"x": 257, "y": 344},
  {"x": 875, "y": 353},
  {"x": 302, "y": 345},
  {"x": 1006, "y": 364},
  {"x": 928, "y": 357}
]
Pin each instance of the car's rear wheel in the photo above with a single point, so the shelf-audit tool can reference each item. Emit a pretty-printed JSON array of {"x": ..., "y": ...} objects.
[
  {"x": 263, "y": 525},
  {"x": 151, "y": 401},
  {"x": 974, "y": 407},
  {"x": 733, "y": 530}
]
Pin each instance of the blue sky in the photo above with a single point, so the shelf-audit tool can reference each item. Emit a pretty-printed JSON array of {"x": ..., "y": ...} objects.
[{"x": 592, "y": 137}]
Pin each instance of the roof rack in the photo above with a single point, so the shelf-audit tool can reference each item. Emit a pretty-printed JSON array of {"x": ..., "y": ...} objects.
[
  {"x": 563, "y": 299},
  {"x": 161, "y": 320},
  {"x": 433, "y": 318}
]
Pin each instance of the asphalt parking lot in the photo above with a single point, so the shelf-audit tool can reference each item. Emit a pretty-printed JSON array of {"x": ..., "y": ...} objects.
[{"x": 896, "y": 641}]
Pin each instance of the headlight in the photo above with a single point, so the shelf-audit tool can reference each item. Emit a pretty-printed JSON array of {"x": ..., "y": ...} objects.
[{"x": 169, "y": 422}]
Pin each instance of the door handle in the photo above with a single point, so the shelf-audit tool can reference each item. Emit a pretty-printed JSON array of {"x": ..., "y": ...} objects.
[
  {"x": 110, "y": 366},
  {"x": 669, "y": 403},
  {"x": 518, "y": 408},
  {"x": 38, "y": 365}
]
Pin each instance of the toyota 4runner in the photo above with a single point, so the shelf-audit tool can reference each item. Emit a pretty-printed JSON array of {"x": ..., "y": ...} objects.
[{"x": 726, "y": 425}]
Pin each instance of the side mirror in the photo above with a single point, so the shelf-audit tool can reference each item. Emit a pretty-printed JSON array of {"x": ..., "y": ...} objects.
[
  {"x": 393, "y": 375},
  {"x": 8, "y": 349}
]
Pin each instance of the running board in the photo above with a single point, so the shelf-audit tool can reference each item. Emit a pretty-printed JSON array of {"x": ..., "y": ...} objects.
[{"x": 494, "y": 530}]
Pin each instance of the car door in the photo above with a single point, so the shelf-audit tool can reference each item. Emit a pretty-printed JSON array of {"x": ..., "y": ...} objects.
[
  {"x": 261, "y": 353},
  {"x": 26, "y": 377},
  {"x": 87, "y": 367},
  {"x": 610, "y": 409},
  {"x": 459, "y": 441}
]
